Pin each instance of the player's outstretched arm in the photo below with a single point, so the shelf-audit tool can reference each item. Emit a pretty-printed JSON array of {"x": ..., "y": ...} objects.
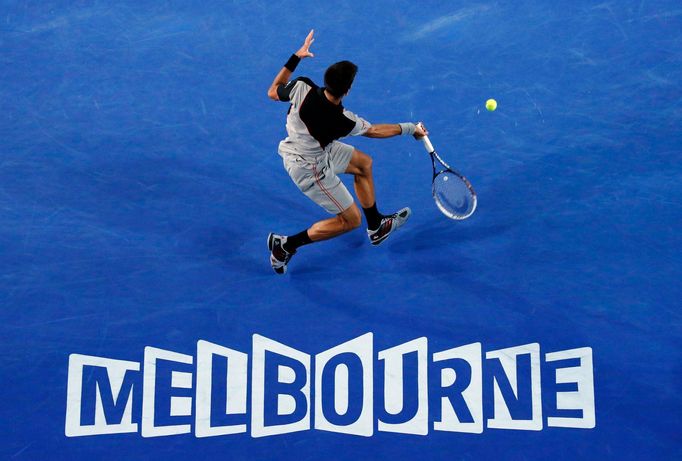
[
  {"x": 283, "y": 76},
  {"x": 388, "y": 130}
]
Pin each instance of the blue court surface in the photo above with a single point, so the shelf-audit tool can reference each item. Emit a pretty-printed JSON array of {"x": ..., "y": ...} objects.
[{"x": 139, "y": 179}]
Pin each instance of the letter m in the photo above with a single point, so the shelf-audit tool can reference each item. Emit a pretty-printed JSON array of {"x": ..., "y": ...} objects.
[{"x": 99, "y": 396}]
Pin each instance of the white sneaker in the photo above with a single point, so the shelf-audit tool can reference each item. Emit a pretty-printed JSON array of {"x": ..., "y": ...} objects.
[
  {"x": 279, "y": 257},
  {"x": 388, "y": 224}
]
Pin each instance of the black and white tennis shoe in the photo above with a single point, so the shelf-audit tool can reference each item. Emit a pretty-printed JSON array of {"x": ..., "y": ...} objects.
[
  {"x": 279, "y": 257},
  {"x": 388, "y": 224}
]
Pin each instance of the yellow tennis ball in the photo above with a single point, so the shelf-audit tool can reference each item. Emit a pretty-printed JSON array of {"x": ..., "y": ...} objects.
[{"x": 491, "y": 105}]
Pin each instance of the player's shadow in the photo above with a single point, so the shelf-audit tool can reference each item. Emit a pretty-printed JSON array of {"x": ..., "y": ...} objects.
[
  {"x": 529, "y": 192},
  {"x": 442, "y": 232},
  {"x": 329, "y": 256}
]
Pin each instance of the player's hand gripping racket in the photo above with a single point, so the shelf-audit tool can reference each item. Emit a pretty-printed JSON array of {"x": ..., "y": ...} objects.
[{"x": 453, "y": 193}]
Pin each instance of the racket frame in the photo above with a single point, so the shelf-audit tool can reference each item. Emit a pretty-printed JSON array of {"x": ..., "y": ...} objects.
[{"x": 435, "y": 157}]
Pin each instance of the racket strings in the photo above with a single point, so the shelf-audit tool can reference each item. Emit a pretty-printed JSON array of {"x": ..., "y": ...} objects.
[{"x": 452, "y": 195}]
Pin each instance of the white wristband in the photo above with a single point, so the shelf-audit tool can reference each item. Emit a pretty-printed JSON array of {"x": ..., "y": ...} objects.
[{"x": 407, "y": 128}]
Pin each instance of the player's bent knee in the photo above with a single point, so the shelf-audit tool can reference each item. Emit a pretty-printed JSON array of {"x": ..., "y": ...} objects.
[
  {"x": 365, "y": 162},
  {"x": 354, "y": 221},
  {"x": 351, "y": 218},
  {"x": 362, "y": 162},
  {"x": 367, "y": 166}
]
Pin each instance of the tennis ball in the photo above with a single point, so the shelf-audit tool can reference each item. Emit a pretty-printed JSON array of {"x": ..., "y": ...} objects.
[{"x": 491, "y": 105}]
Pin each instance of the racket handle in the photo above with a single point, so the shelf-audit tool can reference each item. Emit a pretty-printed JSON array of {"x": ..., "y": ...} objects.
[{"x": 427, "y": 145}]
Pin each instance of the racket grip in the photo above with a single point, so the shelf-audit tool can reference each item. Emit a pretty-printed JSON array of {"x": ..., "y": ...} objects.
[{"x": 427, "y": 145}]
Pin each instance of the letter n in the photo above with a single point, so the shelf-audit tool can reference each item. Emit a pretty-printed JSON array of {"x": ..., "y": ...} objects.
[{"x": 517, "y": 394}]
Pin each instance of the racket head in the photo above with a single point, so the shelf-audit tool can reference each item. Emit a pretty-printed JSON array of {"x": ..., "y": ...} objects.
[{"x": 454, "y": 195}]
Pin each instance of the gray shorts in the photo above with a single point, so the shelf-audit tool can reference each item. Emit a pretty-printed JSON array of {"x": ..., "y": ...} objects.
[{"x": 320, "y": 181}]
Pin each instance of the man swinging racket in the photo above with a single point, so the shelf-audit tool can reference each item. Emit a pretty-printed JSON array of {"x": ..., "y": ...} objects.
[{"x": 314, "y": 157}]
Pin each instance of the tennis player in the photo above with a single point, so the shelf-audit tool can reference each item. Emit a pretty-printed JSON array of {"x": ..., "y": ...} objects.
[{"x": 313, "y": 156}]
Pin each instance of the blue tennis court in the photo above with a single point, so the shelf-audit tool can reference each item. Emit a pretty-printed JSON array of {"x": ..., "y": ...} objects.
[{"x": 139, "y": 179}]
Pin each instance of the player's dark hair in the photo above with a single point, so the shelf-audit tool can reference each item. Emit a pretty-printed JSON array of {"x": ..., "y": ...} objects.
[{"x": 339, "y": 77}]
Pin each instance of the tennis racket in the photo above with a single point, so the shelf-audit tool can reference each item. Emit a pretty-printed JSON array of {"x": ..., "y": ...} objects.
[{"x": 453, "y": 193}]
